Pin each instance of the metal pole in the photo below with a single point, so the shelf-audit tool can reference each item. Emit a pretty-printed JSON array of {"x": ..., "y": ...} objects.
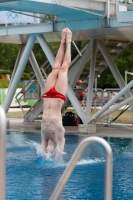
[
  {"x": 78, "y": 152},
  {"x": 19, "y": 72},
  {"x": 17, "y": 62},
  {"x": 36, "y": 70},
  {"x": 95, "y": 102},
  {"x": 126, "y": 73},
  {"x": 114, "y": 69},
  {"x": 132, "y": 119},
  {"x": 108, "y": 11},
  {"x": 108, "y": 101},
  {"x": 76, "y": 48},
  {"x": 2, "y": 153},
  {"x": 116, "y": 107},
  {"x": 125, "y": 77},
  {"x": 91, "y": 79},
  {"x": 113, "y": 100},
  {"x": 46, "y": 49},
  {"x": 95, "y": 84},
  {"x": 102, "y": 100}
]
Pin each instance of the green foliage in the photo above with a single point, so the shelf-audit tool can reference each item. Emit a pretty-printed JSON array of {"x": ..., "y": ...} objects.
[
  {"x": 4, "y": 83},
  {"x": 26, "y": 75},
  {"x": 20, "y": 85},
  {"x": 124, "y": 62},
  {"x": 5, "y": 71},
  {"x": 8, "y": 55}
]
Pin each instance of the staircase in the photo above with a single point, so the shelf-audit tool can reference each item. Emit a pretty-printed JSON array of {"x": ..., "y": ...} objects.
[{"x": 114, "y": 48}]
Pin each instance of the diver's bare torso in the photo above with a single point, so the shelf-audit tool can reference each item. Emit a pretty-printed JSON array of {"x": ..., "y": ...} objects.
[{"x": 51, "y": 127}]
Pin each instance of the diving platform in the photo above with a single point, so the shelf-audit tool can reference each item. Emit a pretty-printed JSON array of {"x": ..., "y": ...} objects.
[{"x": 87, "y": 19}]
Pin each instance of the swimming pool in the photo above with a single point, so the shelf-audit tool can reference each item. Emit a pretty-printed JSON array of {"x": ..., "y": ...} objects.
[{"x": 29, "y": 179}]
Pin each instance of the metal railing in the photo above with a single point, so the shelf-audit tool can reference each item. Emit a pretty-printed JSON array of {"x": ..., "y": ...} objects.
[
  {"x": 2, "y": 152},
  {"x": 78, "y": 152}
]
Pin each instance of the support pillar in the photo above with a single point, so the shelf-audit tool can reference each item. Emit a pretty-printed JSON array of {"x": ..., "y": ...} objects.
[
  {"x": 114, "y": 69},
  {"x": 91, "y": 79},
  {"x": 18, "y": 74},
  {"x": 46, "y": 49},
  {"x": 36, "y": 70},
  {"x": 17, "y": 63}
]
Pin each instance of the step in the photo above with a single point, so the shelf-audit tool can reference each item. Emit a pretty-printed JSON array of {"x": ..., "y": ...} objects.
[
  {"x": 119, "y": 41},
  {"x": 114, "y": 47}
]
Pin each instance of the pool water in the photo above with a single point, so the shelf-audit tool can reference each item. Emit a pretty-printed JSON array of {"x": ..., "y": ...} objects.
[{"x": 29, "y": 179}]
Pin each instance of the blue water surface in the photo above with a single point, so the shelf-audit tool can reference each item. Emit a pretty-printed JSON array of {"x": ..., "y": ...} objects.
[{"x": 28, "y": 178}]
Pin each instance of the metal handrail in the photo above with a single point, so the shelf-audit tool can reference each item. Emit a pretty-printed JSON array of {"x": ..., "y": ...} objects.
[
  {"x": 73, "y": 161},
  {"x": 2, "y": 152}
]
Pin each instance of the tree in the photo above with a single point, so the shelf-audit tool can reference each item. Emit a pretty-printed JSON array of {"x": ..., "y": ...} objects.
[{"x": 124, "y": 62}]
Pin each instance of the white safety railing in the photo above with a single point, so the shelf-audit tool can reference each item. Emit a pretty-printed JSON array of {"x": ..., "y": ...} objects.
[
  {"x": 73, "y": 161},
  {"x": 2, "y": 152}
]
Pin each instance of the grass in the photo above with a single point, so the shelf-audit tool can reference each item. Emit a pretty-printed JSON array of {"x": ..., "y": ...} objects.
[
  {"x": 5, "y": 83},
  {"x": 126, "y": 117}
]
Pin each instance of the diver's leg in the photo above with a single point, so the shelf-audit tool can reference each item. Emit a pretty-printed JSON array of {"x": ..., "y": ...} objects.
[
  {"x": 62, "y": 81},
  {"x": 53, "y": 76},
  {"x": 60, "y": 54}
]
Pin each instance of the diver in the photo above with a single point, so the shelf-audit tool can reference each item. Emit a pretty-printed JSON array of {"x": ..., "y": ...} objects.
[{"x": 52, "y": 130}]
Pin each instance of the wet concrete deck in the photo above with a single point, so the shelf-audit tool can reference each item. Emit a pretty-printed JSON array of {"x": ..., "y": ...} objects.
[{"x": 114, "y": 130}]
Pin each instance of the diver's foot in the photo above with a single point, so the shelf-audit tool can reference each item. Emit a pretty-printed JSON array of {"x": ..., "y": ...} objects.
[
  {"x": 68, "y": 36},
  {"x": 63, "y": 35}
]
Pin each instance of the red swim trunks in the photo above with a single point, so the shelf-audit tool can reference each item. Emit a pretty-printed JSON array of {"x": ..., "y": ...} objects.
[{"x": 52, "y": 93}]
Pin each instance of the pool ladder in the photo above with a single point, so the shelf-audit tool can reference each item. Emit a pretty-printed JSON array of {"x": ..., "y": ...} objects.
[
  {"x": 78, "y": 152},
  {"x": 2, "y": 152}
]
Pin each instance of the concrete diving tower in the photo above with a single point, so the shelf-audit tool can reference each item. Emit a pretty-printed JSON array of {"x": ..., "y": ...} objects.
[{"x": 100, "y": 22}]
